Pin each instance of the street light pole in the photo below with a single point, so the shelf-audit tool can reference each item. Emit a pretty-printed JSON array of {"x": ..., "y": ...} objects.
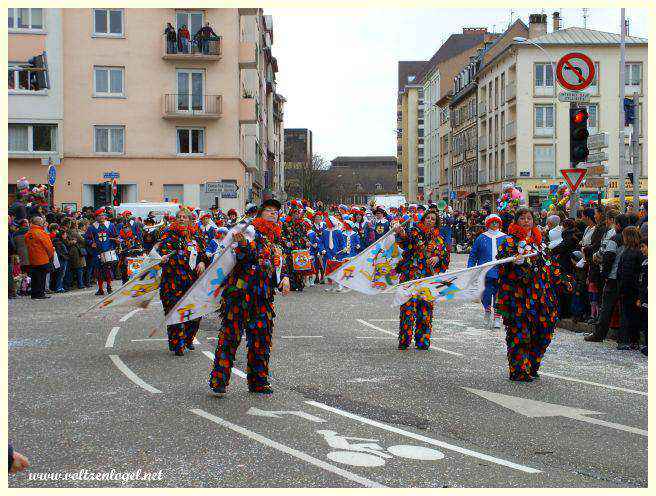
[{"x": 622, "y": 156}]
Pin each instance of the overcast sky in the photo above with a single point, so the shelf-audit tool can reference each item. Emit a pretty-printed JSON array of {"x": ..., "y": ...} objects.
[{"x": 338, "y": 67}]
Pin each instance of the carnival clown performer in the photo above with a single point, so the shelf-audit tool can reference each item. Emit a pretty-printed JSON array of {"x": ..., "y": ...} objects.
[
  {"x": 102, "y": 238},
  {"x": 352, "y": 243},
  {"x": 247, "y": 302},
  {"x": 232, "y": 218},
  {"x": 331, "y": 244},
  {"x": 527, "y": 296},
  {"x": 359, "y": 224},
  {"x": 184, "y": 258},
  {"x": 379, "y": 226},
  {"x": 207, "y": 227},
  {"x": 213, "y": 246},
  {"x": 294, "y": 237},
  {"x": 318, "y": 226},
  {"x": 424, "y": 254},
  {"x": 485, "y": 250}
]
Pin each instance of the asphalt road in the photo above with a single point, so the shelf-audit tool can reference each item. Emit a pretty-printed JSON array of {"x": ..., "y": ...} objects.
[{"x": 97, "y": 395}]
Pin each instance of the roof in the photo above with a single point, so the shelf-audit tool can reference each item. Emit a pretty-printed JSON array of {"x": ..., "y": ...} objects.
[
  {"x": 455, "y": 44},
  {"x": 583, "y": 36},
  {"x": 366, "y": 158},
  {"x": 408, "y": 68}
]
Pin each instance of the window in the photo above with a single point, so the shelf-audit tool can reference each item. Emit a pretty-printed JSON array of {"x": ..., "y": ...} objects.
[
  {"x": 378, "y": 186},
  {"x": 25, "y": 19},
  {"x": 411, "y": 79},
  {"x": 633, "y": 78},
  {"x": 23, "y": 80},
  {"x": 502, "y": 129},
  {"x": 543, "y": 161},
  {"x": 190, "y": 90},
  {"x": 190, "y": 141},
  {"x": 544, "y": 83},
  {"x": 108, "y": 22},
  {"x": 108, "y": 81},
  {"x": 193, "y": 21},
  {"x": 503, "y": 87},
  {"x": 108, "y": 139},
  {"x": 544, "y": 124},
  {"x": 358, "y": 187},
  {"x": 32, "y": 138}
]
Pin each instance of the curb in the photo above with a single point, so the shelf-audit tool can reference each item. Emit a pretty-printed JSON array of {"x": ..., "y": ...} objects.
[{"x": 582, "y": 327}]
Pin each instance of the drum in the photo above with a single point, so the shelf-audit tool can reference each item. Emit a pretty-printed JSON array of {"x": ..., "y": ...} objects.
[
  {"x": 108, "y": 256},
  {"x": 301, "y": 260}
]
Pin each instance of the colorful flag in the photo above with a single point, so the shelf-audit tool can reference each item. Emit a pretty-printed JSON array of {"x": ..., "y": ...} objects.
[
  {"x": 372, "y": 271},
  {"x": 204, "y": 296},
  {"x": 463, "y": 284}
]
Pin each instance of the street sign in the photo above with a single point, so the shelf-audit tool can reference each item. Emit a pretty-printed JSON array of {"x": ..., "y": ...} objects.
[
  {"x": 598, "y": 141},
  {"x": 575, "y": 71},
  {"x": 573, "y": 177},
  {"x": 213, "y": 187},
  {"x": 595, "y": 170},
  {"x": 599, "y": 156},
  {"x": 52, "y": 175},
  {"x": 111, "y": 175},
  {"x": 229, "y": 186},
  {"x": 573, "y": 96},
  {"x": 595, "y": 182}
]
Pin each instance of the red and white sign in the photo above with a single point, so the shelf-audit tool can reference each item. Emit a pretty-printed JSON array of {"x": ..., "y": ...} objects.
[
  {"x": 573, "y": 177},
  {"x": 575, "y": 71}
]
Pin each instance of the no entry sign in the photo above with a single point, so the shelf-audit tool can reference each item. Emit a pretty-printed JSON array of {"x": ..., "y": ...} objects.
[{"x": 575, "y": 71}]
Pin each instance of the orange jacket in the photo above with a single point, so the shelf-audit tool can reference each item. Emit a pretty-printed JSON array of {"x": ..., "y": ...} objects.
[{"x": 39, "y": 246}]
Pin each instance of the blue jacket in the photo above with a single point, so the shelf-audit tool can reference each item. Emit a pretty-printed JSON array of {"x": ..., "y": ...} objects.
[
  {"x": 352, "y": 245},
  {"x": 484, "y": 250},
  {"x": 338, "y": 244},
  {"x": 376, "y": 230},
  {"x": 100, "y": 234}
]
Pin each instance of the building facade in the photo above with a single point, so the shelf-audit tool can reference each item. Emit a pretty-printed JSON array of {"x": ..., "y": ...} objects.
[
  {"x": 356, "y": 179},
  {"x": 36, "y": 97},
  {"x": 516, "y": 91},
  {"x": 298, "y": 154},
  {"x": 168, "y": 118}
]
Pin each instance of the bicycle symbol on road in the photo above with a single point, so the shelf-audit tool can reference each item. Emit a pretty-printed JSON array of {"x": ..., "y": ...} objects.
[{"x": 368, "y": 453}]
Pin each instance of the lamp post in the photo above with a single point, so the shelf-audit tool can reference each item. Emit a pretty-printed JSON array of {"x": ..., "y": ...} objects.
[{"x": 522, "y": 40}]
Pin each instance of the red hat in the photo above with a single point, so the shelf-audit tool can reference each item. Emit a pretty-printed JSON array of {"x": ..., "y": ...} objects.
[
  {"x": 232, "y": 211},
  {"x": 100, "y": 211},
  {"x": 492, "y": 218},
  {"x": 127, "y": 213},
  {"x": 205, "y": 216}
]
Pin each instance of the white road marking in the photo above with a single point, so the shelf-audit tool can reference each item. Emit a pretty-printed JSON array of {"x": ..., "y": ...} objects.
[
  {"x": 131, "y": 375},
  {"x": 415, "y": 452},
  {"x": 300, "y": 337},
  {"x": 425, "y": 439},
  {"x": 111, "y": 337},
  {"x": 364, "y": 322},
  {"x": 235, "y": 370},
  {"x": 616, "y": 388},
  {"x": 384, "y": 320},
  {"x": 278, "y": 414},
  {"x": 129, "y": 314},
  {"x": 286, "y": 449},
  {"x": 373, "y": 337},
  {"x": 151, "y": 339}
]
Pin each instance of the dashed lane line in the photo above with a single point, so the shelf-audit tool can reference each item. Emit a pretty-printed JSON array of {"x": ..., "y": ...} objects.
[
  {"x": 364, "y": 322},
  {"x": 235, "y": 370},
  {"x": 131, "y": 375},
  {"x": 300, "y": 337},
  {"x": 582, "y": 381},
  {"x": 428, "y": 440},
  {"x": 111, "y": 337},
  {"x": 129, "y": 314},
  {"x": 286, "y": 449}
]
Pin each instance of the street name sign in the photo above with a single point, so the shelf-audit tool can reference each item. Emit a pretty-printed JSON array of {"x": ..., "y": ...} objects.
[
  {"x": 213, "y": 187},
  {"x": 599, "y": 156},
  {"x": 598, "y": 141},
  {"x": 573, "y": 96}
]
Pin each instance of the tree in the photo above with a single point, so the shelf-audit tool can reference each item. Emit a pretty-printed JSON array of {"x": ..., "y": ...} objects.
[{"x": 309, "y": 179}]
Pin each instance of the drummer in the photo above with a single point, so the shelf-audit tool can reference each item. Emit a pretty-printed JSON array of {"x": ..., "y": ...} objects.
[
  {"x": 131, "y": 240},
  {"x": 102, "y": 237}
]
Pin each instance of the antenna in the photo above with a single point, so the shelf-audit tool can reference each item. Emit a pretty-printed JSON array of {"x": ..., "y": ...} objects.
[
  {"x": 585, "y": 17},
  {"x": 512, "y": 12}
]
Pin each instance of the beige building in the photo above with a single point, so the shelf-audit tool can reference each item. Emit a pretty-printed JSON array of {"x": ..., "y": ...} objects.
[
  {"x": 168, "y": 118},
  {"x": 516, "y": 90}
]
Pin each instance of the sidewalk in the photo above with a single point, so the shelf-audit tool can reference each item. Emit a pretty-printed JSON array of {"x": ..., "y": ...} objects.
[{"x": 582, "y": 327}]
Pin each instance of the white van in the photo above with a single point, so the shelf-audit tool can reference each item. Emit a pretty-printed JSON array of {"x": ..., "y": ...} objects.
[{"x": 141, "y": 209}]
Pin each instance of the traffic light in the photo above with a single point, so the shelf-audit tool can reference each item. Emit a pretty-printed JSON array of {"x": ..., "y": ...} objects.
[
  {"x": 629, "y": 111},
  {"x": 578, "y": 135}
]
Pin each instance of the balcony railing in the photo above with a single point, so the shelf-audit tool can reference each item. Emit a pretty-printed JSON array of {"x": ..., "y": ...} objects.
[
  {"x": 482, "y": 109},
  {"x": 186, "y": 105},
  {"x": 511, "y": 91},
  {"x": 511, "y": 170},
  {"x": 195, "y": 50},
  {"x": 511, "y": 131}
]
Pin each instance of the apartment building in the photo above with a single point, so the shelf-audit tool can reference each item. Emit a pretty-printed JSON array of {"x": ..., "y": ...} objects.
[
  {"x": 298, "y": 154},
  {"x": 527, "y": 129},
  {"x": 36, "y": 97},
  {"x": 357, "y": 179},
  {"x": 168, "y": 118},
  {"x": 436, "y": 79},
  {"x": 410, "y": 130}
]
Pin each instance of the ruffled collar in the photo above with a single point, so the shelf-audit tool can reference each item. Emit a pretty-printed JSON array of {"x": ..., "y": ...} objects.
[
  {"x": 533, "y": 236},
  {"x": 270, "y": 230}
]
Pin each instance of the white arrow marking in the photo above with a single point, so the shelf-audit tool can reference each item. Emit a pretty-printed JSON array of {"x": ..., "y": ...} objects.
[
  {"x": 535, "y": 409},
  {"x": 266, "y": 413}
]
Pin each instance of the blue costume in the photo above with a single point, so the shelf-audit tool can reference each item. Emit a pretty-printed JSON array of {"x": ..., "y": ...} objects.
[
  {"x": 331, "y": 243},
  {"x": 100, "y": 238},
  {"x": 484, "y": 250},
  {"x": 352, "y": 245},
  {"x": 377, "y": 229}
]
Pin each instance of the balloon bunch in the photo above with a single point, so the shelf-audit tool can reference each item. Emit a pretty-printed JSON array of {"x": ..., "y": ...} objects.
[
  {"x": 560, "y": 198},
  {"x": 510, "y": 199}
]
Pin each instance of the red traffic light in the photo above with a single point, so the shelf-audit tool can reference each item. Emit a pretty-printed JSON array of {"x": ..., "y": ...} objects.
[{"x": 580, "y": 116}]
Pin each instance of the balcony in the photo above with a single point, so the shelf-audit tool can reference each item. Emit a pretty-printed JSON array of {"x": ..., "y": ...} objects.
[
  {"x": 482, "y": 142},
  {"x": 482, "y": 109},
  {"x": 247, "y": 56},
  {"x": 192, "y": 106},
  {"x": 247, "y": 111},
  {"x": 511, "y": 170},
  {"x": 482, "y": 177},
  {"x": 511, "y": 131},
  {"x": 211, "y": 52},
  {"x": 511, "y": 91},
  {"x": 277, "y": 114}
]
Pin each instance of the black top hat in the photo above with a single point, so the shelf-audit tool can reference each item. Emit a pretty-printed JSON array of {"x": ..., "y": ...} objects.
[{"x": 271, "y": 202}]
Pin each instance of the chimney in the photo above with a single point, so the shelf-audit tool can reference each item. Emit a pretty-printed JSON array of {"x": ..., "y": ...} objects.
[
  {"x": 556, "y": 21},
  {"x": 537, "y": 25}
]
